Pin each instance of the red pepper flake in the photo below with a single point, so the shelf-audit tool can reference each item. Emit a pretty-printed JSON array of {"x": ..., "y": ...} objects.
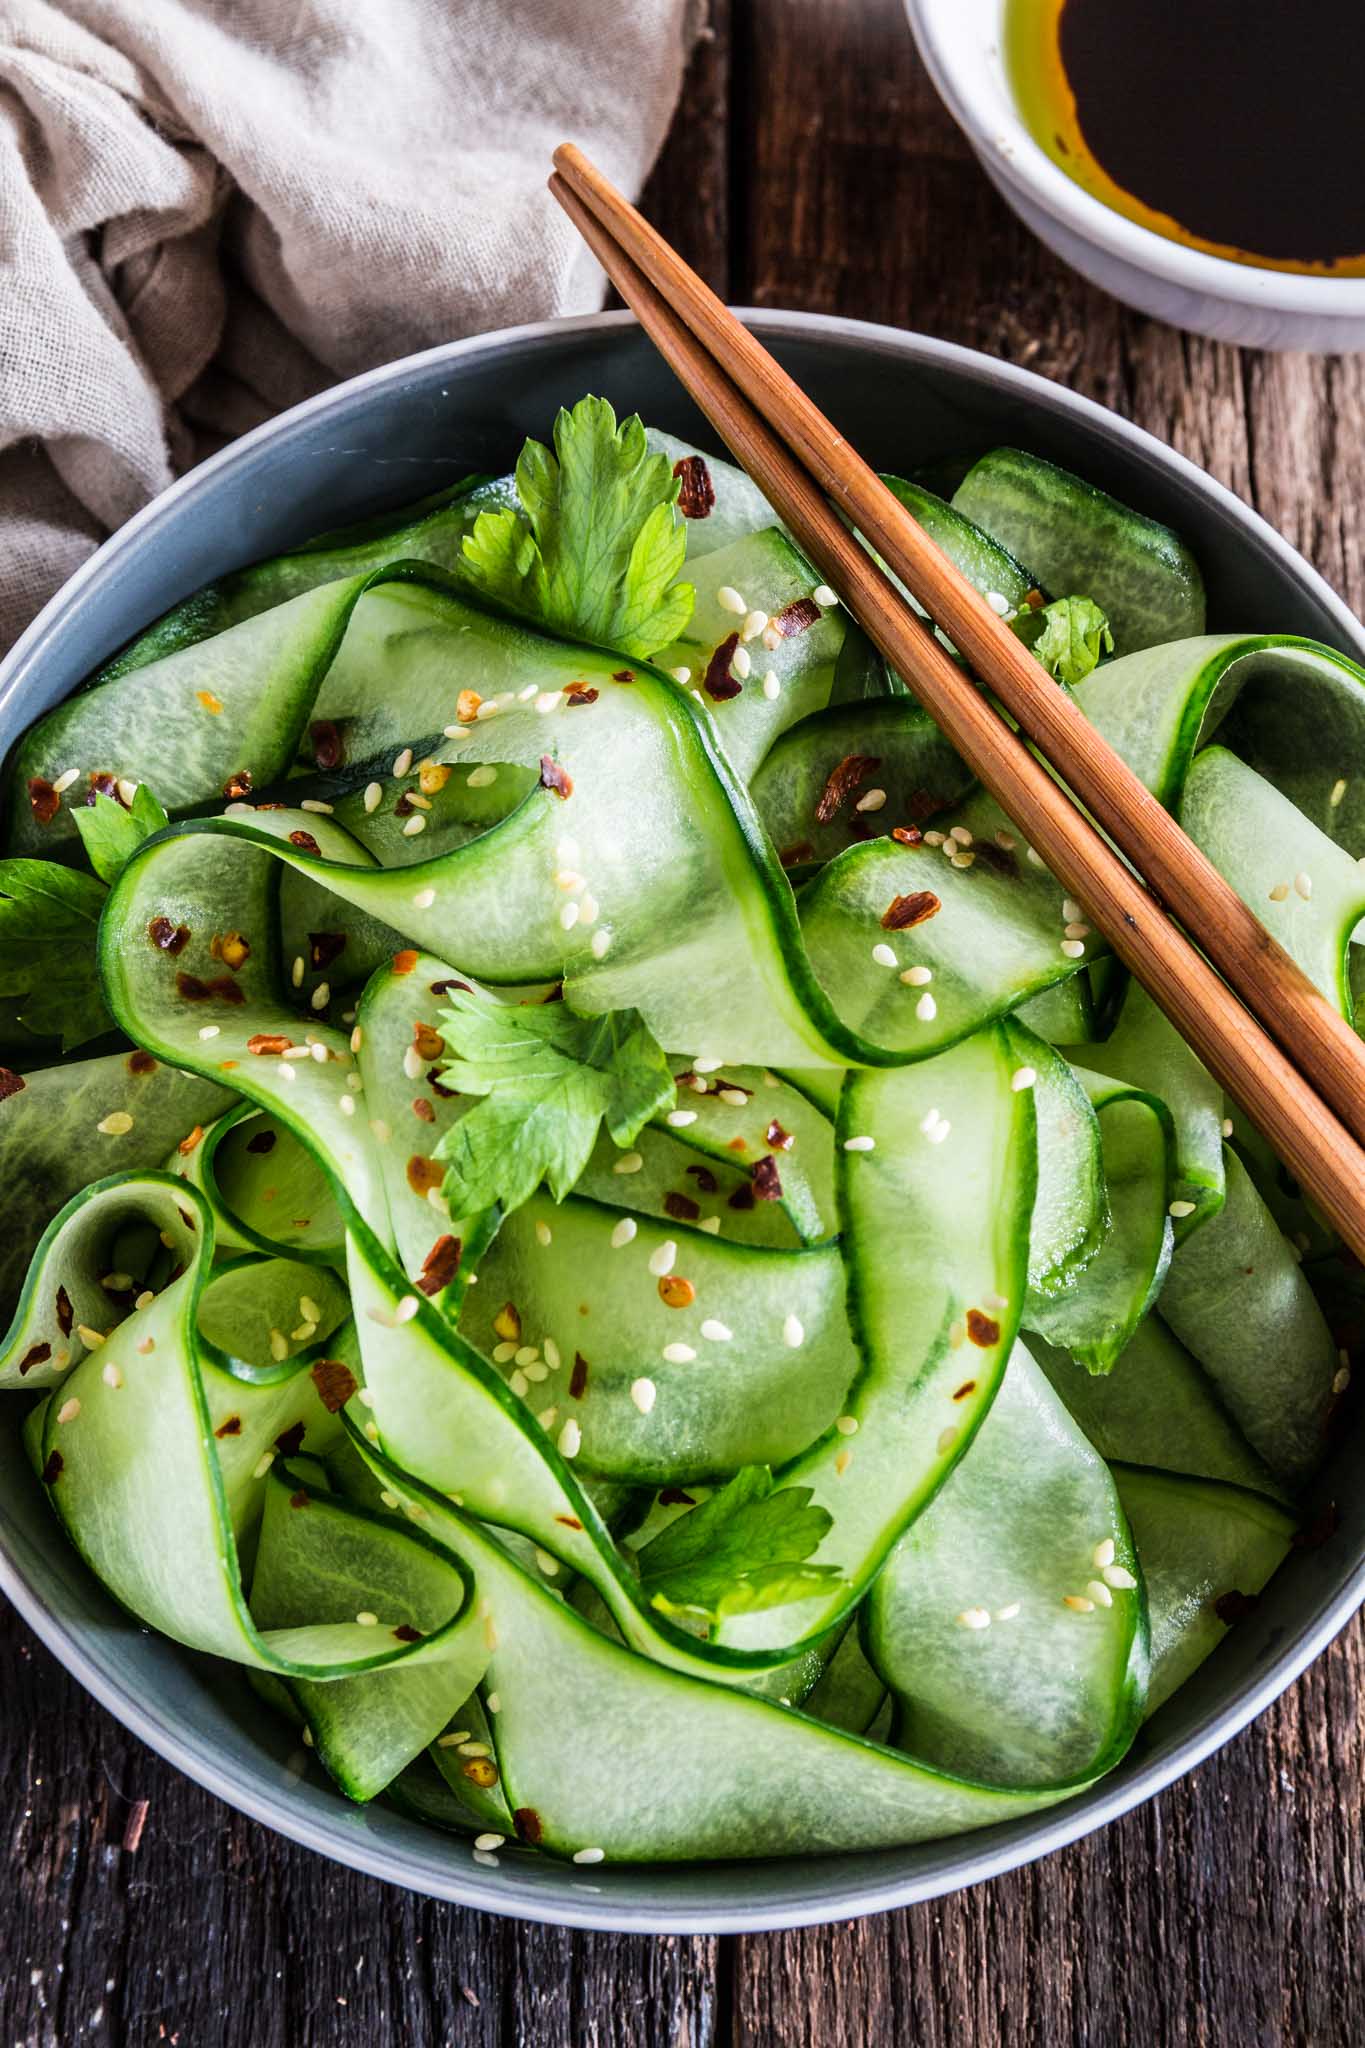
[
  {"x": 140, "y": 1062},
  {"x": 65, "y": 1314},
  {"x": 424, "y": 1174},
  {"x": 405, "y": 806},
  {"x": 623, "y": 675},
  {"x": 674, "y": 1497},
  {"x": 1034, "y": 599},
  {"x": 552, "y": 776},
  {"x": 324, "y": 948},
  {"x": 264, "y": 1141},
  {"x": 328, "y": 750},
  {"x": 440, "y": 1265},
  {"x": 52, "y": 1469},
  {"x": 578, "y": 1378},
  {"x": 742, "y": 1198},
  {"x": 232, "y": 1427},
  {"x": 850, "y": 773},
  {"x": 428, "y": 1041},
  {"x": 305, "y": 842},
  {"x": 196, "y": 991},
  {"x": 907, "y": 835},
  {"x": 438, "y": 1087},
  {"x": 37, "y": 1354},
  {"x": 1233, "y": 1607},
  {"x": 982, "y": 1329},
  {"x": 676, "y": 1292},
  {"x": 404, "y": 962},
  {"x": 43, "y": 799},
  {"x": 439, "y": 988},
  {"x": 102, "y": 783},
  {"x": 481, "y": 1771},
  {"x": 924, "y": 804},
  {"x": 569, "y": 1521},
  {"x": 191, "y": 1141},
  {"x": 11, "y": 1083},
  {"x": 696, "y": 492},
  {"x": 738, "y": 1145},
  {"x": 238, "y": 786},
  {"x": 168, "y": 937},
  {"x": 527, "y": 1823},
  {"x": 705, "y": 1179},
  {"x": 967, "y": 1387},
  {"x": 681, "y": 1207},
  {"x": 265, "y": 1042},
  {"x": 579, "y": 695},
  {"x": 903, "y": 911},
  {"x": 334, "y": 1381},
  {"x": 406, "y": 1633},
  {"x": 301, "y": 1499},
  {"x": 792, "y": 856},
  {"x": 289, "y": 1442},
  {"x": 718, "y": 681},
  {"x": 797, "y": 617},
  {"x": 780, "y": 1140},
  {"x": 423, "y": 1110},
  {"x": 997, "y": 857},
  {"x": 767, "y": 1180}
]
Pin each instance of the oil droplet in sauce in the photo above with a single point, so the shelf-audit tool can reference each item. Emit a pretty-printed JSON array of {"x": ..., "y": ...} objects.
[{"x": 1233, "y": 126}]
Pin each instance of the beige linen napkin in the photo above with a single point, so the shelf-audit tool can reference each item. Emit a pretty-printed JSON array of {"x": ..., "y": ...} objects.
[{"x": 211, "y": 208}]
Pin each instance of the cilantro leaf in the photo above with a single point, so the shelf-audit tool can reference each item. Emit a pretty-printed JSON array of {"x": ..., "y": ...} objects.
[
  {"x": 549, "y": 1078},
  {"x": 48, "y": 918},
  {"x": 110, "y": 834},
  {"x": 741, "y": 1550},
  {"x": 1069, "y": 637},
  {"x": 597, "y": 548}
]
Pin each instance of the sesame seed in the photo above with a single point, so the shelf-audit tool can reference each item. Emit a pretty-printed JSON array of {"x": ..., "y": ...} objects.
[
  {"x": 1035, "y": 859},
  {"x": 518, "y": 1384},
  {"x": 544, "y": 1234},
  {"x": 69, "y": 1410},
  {"x": 772, "y": 639},
  {"x": 729, "y": 600},
  {"x": 847, "y": 1425},
  {"x": 1341, "y": 1380},
  {"x": 740, "y": 664},
  {"x": 406, "y": 1309},
  {"x": 1071, "y": 909},
  {"x": 296, "y": 971},
  {"x": 313, "y": 803},
  {"x": 527, "y": 1354},
  {"x": 960, "y": 834},
  {"x": 285, "y": 1071},
  {"x": 926, "y": 1009},
  {"x": 736, "y": 1097},
  {"x": 884, "y": 955},
  {"x": 64, "y": 782},
  {"x": 680, "y": 1118},
  {"x": 1078, "y": 1603},
  {"x": 623, "y": 1233},
  {"x": 568, "y": 916},
  {"x": 424, "y": 899},
  {"x": 1179, "y": 1209},
  {"x": 1279, "y": 892},
  {"x": 842, "y": 1462},
  {"x": 860, "y": 1144},
  {"x": 1338, "y": 792},
  {"x": 663, "y": 1259},
  {"x": 793, "y": 1330},
  {"x": 772, "y": 688},
  {"x": 753, "y": 625},
  {"x": 1099, "y": 1593},
  {"x": 1119, "y": 1577},
  {"x": 1022, "y": 1078},
  {"x": 381, "y": 1130},
  {"x": 413, "y": 1065},
  {"x": 1103, "y": 1553},
  {"x": 716, "y": 1332},
  {"x": 871, "y": 800},
  {"x": 643, "y": 1393},
  {"x": 116, "y": 1125},
  {"x": 489, "y": 1842},
  {"x": 279, "y": 1346},
  {"x": 1008, "y": 1613},
  {"x": 1078, "y": 931},
  {"x": 481, "y": 777},
  {"x": 469, "y": 1748},
  {"x": 456, "y": 732},
  {"x": 569, "y": 878},
  {"x": 1227, "y": 1127},
  {"x": 366, "y": 1619},
  {"x": 973, "y": 1617},
  {"x": 402, "y": 762},
  {"x": 587, "y": 909},
  {"x": 551, "y": 1350},
  {"x": 990, "y": 1299},
  {"x": 917, "y": 977},
  {"x": 998, "y": 603},
  {"x": 1074, "y": 949},
  {"x": 92, "y": 1339},
  {"x": 372, "y": 1432},
  {"x": 374, "y": 797},
  {"x": 946, "y": 1439},
  {"x": 145, "y": 1299},
  {"x": 1303, "y": 884},
  {"x": 547, "y": 1417},
  {"x": 824, "y": 596},
  {"x": 589, "y": 1855},
  {"x": 570, "y": 1439},
  {"x": 933, "y": 839},
  {"x": 601, "y": 944},
  {"x": 415, "y": 824},
  {"x": 678, "y": 1354},
  {"x": 321, "y": 996},
  {"x": 928, "y": 1120},
  {"x": 961, "y": 860},
  {"x": 264, "y": 1463},
  {"x": 207, "y": 1031},
  {"x": 681, "y": 675},
  {"x": 629, "y": 1162},
  {"x": 504, "y": 1353}
]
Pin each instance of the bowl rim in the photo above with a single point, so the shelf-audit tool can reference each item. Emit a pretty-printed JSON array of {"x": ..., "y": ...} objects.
[
  {"x": 967, "y": 1859},
  {"x": 948, "y": 36}
]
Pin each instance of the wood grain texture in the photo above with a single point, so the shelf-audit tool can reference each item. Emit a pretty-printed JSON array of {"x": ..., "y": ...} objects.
[{"x": 810, "y": 166}]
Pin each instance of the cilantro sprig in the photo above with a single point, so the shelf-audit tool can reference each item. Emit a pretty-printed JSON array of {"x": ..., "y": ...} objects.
[
  {"x": 549, "y": 1079},
  {"x": 1069, "y": 636},
  {"x": 596, "y": 550},
  {"x": 743, "y": 1549}
]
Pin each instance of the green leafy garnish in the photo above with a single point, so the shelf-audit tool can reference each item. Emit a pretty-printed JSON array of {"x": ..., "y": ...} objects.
[
  {"x": 549, "y": 1079},
  {"x": 741, "y": 1550},
  {"x": 48, "y": 919},
  {"x": 1071, "y": 636},
  {"x": 110, "y": 834},
  {"x": 597, "y": 548}
]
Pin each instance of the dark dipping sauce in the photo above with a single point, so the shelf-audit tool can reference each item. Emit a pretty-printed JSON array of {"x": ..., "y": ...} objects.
[{"x": 1241, "y": 122}]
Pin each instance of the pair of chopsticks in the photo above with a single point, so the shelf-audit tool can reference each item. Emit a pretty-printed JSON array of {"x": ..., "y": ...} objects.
[{"x": 1298, "y": 1072}]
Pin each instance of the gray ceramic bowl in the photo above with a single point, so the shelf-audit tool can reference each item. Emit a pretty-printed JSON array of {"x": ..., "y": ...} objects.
[{"x": 391, "y": 436}]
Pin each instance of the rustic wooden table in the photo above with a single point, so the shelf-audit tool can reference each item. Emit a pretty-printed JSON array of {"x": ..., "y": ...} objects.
[{"x": 810, "y": 166}]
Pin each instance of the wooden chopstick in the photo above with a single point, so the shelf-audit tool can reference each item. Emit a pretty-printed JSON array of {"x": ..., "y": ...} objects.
[
  {"x": 1250, "y": 1066},
  {"x": 1268, "y": 981}
]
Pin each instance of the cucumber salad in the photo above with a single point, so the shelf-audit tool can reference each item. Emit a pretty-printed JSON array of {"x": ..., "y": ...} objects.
[{"x": 581, "y": 1204}]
